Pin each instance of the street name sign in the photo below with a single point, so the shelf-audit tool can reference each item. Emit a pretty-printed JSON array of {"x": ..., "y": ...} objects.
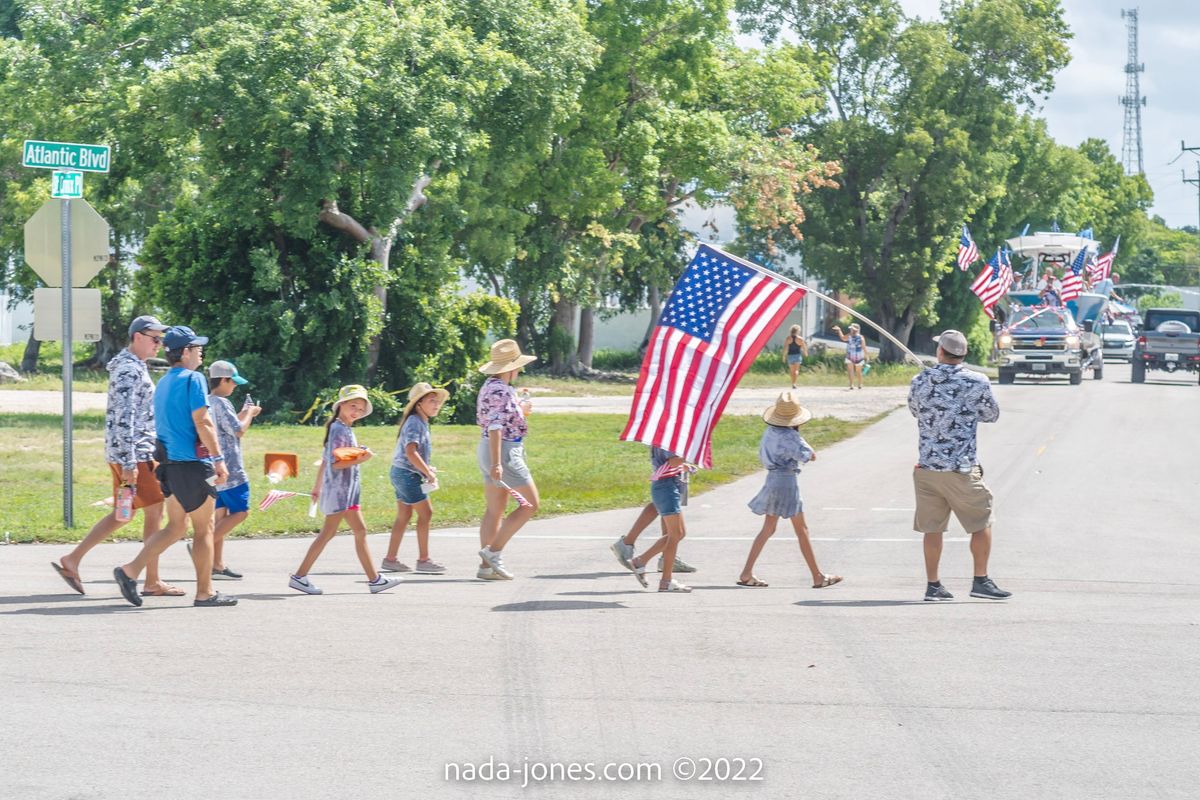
[
  {"x": 66, "y": 184},
  {"x": 44, "y": 242},
  {"x": 66, "y": 155}
]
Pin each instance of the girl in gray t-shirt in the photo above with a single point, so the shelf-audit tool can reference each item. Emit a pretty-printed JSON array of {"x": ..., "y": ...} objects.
[{"x": 338, "y": 489}]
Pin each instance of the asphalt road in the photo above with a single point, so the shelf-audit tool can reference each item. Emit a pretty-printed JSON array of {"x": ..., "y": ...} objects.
[{"x": 1082, "y": 686}]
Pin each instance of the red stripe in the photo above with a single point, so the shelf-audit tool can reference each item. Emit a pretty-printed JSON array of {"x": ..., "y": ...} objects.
[
  {"x": 702, "y": 357},
  {"x": 639, "y": 394},
  {"x": 673, "y": 380},
  {"x": 654, "y": 387}
]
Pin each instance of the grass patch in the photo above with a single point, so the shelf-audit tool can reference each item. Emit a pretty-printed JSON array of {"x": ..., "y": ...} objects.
[
  {"x": 577, "y": 461},
  {"x": 49, "y": 375}
]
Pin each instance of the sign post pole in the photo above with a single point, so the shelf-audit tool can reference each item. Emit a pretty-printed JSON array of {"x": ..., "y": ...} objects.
[{"x": 68, "y": 370}]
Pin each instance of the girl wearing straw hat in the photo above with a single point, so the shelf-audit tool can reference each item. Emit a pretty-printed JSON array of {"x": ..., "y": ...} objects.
[
  {"x": 795, "y": 352},
  {"x": 856, "y": 353},
  {"x": 412, "y": 477},
  {"x": 339, "y": 489},
  {"x": 782, "y": 451},
  {"x": 502, "y": 456}
]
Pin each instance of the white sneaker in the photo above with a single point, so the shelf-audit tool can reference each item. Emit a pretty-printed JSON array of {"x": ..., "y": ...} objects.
[
  {"x": 303, "y": 585},
  {"x": 680, "y": 565},
  {"x": 382, "y": 584},
  {"x": 487, "y": 574},
  {"x": 496, "y": 562},
  {"x": 623, "y": 552},
  {"x": 674, "y": 586}
]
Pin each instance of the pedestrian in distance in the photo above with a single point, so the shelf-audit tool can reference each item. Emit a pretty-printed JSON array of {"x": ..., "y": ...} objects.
[
  {"x": 794, "y": 353},
  {"x": 501, "y": 456},
  {"x": 949, "y": 402},
  {"x": 668, "y": 487},
  {"x": 782, "y": 450},
  {"x": 129, "y": 438},
  {"x": 233, "y": 496},
  {"x": 413, "y": 477},
  {"x": 190, "y": 465},
  {"x": 856, "y": 353},
  {"x": 338, "y": 489}
]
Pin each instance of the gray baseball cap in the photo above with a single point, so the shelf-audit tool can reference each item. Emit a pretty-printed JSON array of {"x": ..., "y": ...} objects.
[
  {"x": 953, "y": 342},
  {"x": 146, "y": 323},
  {"x": 225, "y": 369}
]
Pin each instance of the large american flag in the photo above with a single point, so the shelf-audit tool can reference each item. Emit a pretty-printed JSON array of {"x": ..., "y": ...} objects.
[
  {"x": 1101, "y": 268},
  {"x": 968, "y": 253},
  {"x": 993, "y": 281},
  {"x": 720, "y": 314}
]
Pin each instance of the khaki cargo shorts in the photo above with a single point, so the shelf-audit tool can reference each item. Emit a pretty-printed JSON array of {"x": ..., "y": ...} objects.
[{"x": 939, "y": 493}]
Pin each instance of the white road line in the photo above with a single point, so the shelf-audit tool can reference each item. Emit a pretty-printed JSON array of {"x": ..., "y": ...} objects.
[{"x": 693, "y": 537}]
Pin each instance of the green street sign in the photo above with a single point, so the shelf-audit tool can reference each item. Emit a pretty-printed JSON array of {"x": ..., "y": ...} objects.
[
  {"x": 66, "y": 185},
  {"x": 66, "y": 155}
]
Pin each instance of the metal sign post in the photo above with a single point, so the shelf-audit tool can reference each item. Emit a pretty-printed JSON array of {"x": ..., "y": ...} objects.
[{"x": 68, "y": 372}]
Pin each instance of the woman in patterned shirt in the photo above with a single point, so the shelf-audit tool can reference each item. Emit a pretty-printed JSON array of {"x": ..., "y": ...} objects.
[
  {"x": 502, "y": 456},
  {"x": 856, "y": 352}
]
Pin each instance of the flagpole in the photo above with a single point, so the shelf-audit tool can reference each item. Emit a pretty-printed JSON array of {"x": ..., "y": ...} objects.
[{"x": 757, "y": 268}]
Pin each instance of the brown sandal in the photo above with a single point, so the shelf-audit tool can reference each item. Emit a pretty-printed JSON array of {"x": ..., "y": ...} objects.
[
  {"x": 753, "y": 582},
  {"x": 70, "y": 576},
  {"x": 168, "y": 591},
  {"x": 827, "y": 581}
]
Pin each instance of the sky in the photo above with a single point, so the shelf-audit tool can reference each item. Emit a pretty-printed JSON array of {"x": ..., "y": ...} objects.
[{"x": 1084, "y": 102}]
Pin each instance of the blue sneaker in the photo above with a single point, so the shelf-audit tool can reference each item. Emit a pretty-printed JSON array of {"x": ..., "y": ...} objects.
[{"x": 988, "y": 590}]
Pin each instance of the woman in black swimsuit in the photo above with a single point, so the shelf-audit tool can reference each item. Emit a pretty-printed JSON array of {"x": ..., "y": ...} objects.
[{"x": 795, "y": 353}]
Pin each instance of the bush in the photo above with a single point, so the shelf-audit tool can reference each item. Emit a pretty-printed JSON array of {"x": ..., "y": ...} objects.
[{"x": 616, "y": 360}]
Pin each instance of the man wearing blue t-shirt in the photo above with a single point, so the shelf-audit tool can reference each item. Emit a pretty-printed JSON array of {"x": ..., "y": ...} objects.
[{"x": 190, "y": 465}]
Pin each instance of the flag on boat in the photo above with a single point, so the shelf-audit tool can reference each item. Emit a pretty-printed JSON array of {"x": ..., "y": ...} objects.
[
  {"x": 968, "y": 252},
  {"x": 721, "y": 312},
  {"x": 993, "y": 281},
  {"x": 1101, "y": 268},
  {"x": 1072, "y": 285}
]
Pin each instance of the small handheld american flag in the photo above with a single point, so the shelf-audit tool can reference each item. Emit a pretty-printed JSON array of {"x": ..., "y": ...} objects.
[
  {"x": 667, "y": 471},
  {"x": 275, "y": 495},
  {"x": 520, "y": 498}
]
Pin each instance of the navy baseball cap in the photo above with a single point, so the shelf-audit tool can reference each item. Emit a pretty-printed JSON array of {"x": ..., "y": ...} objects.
[
  {"x": 146, "y": 323},
  {"x": 182, "y": 336}
]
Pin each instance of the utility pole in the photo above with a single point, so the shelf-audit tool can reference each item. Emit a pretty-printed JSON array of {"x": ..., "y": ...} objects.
[
  {"x": 1183, "y": 148},
  {"x": 1133, "y": 100}
]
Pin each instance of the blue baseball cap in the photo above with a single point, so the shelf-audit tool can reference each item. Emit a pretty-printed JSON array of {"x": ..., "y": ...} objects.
[
  {"x": 182, "y": 336},
  {"x": 226, "y": 369}
]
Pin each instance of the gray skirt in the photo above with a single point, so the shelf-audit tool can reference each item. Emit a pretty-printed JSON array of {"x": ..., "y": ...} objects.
[
  {"x": 780, "y": 495},
  {"x": 512, "y": 458}
]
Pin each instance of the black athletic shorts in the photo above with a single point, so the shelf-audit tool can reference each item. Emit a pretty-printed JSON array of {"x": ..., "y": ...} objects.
[{"x": 188, "y": 482}]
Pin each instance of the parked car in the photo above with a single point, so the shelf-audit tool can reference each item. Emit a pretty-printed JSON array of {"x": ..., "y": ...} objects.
[
  {"x": 1170, "y": 341},
  {"x": 1118, "y": 340}
]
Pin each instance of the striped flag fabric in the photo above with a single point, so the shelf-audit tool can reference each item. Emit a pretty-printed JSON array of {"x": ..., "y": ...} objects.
[
  {"x": 993, "y": 281},
  {"x": 1101, "y": 268},
  {"x": 667, "y": 471},
  {"x": 1072, "y": 286},
  {"x": 275, "y": 495},
  {"x": 721, "y": 312},
  {"x": 968, "y": 252}
]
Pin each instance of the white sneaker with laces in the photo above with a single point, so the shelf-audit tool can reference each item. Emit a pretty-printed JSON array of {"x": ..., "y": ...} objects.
[
  {"x": 623, "y": 552},
  {"x": 302, "y": 584},
  {"x": 680, "y": 565},
  {"x": 382, "y": 584}
]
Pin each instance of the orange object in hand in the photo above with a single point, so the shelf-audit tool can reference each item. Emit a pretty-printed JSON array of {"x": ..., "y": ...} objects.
[{"x": 347, "y": 453}]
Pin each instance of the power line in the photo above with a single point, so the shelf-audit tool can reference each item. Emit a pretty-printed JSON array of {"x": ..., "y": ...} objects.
[{"x": 1133, "y": 100}]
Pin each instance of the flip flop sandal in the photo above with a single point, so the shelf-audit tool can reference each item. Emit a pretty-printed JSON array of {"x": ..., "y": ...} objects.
[
  {"x": 753, "y": 582},
  {"x": 170, "y": 591},
  {"x": 829, "y": 580},
  {"x": 72, "y": 580}
]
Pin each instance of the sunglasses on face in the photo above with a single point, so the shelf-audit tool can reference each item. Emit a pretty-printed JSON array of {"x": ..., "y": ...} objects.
[{"x": 156, "y": 339}]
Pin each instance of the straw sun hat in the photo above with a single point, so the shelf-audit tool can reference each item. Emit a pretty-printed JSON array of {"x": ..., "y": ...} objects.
[
  {"x": 506, "y": 356},
  {"x": 352, "y": 392},
  {"x": 786, "y": 412},
  {"x": 418, "y": 392}
]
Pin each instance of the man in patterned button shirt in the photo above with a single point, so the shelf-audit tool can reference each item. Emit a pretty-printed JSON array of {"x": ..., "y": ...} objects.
[{"x": 949, "y": 402}]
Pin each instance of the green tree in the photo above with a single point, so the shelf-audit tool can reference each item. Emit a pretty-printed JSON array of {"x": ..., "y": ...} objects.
[{"x": 921, "y": 118}]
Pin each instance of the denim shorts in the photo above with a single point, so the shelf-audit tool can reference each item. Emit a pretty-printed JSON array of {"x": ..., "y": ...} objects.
[
  {"x": 235, "y": 500},
  {"x": 667, "y": 495},
  {"x": 408, "y": 486},
  {"x": 795, "y": 358}
]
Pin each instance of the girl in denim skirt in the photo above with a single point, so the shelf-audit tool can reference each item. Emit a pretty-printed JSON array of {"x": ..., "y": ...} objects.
[
  {"x": 782, "y": 451},
  {"x": 412, "y": 475}
]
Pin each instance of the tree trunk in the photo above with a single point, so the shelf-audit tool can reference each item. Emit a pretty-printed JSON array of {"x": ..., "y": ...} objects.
[
  {"x": 900, "y": 325},
  {"x": 655, "y": 300},
  {"x": 33, "y": 348},
  {"x": 587, "y": 336},
  {"x": 112, "y": 336},
  {"x": 381, "y": 251},
  {"x": 562, "y": 343}
]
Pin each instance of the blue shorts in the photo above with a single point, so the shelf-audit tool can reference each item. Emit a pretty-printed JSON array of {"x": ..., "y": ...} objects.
[
  {"x": 235, "y": 500},
  {"x": 408, "y": 486},
  {"x": 667, "y": 495},
  {"x": 795, "y": 358}
]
